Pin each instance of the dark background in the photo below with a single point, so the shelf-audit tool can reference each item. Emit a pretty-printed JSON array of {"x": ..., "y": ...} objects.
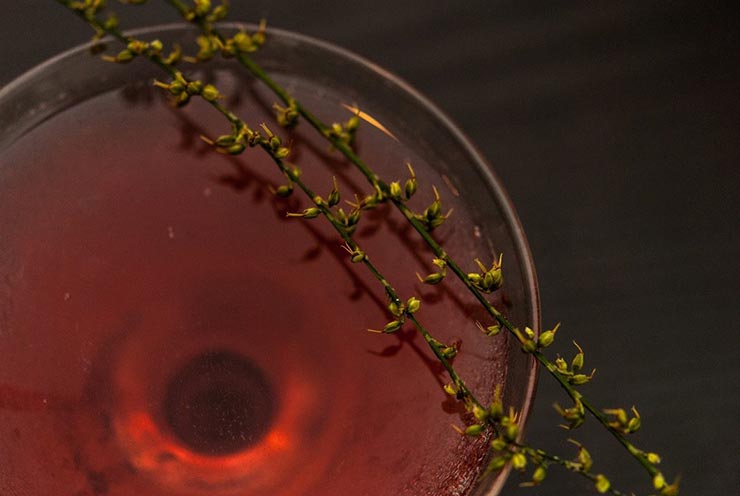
[{"x": 614, "y": 127}]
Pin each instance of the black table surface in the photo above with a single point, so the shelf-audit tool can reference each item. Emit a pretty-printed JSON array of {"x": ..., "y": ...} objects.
[{"x": 614, "y": 127}]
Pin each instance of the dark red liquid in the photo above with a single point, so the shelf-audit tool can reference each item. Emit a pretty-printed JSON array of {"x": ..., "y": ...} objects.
[{"x": 165, "y": 330}]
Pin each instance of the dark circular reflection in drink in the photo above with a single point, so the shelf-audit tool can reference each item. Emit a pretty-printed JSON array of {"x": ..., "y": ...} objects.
[{"x": 219, "y": 403}]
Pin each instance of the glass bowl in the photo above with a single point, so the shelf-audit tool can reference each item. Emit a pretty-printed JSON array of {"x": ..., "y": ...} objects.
[{"x": 166, "y": 329}]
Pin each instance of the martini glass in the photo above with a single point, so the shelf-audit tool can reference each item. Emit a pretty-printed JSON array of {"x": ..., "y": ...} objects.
[{"x": 165, "y": 329}]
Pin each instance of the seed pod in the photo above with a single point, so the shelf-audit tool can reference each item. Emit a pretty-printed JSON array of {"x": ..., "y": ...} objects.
[
  {"x": 225, "y": 140},
  {"x": 124, "y": 56},
  {"x": 577, "y": 363},
  {"x": 395, "y": 190},
  {"x": 584, "y": 458},
  {"x": 352, "y": 123},
  {"x": 659, "y": 481},
  {"x": 432, "y": 279},
  {"x": 561, "y": 365},
  {"x": 410, "y": 187},
  {"x": 474, "y": 430},
  {"x": 491, "y": 330},
  {"x": 413, "y": 305},
  {"x": 333, "y": 198},
  {"x": 519, "y": 461},
  {"x": 634, "y": 424},
  {"x": 448, "y": 352},
  {"x": 539, "y": 474},
  {"x": 395, "y": 308},
  {"x": 136, "y": 46},
  {"x": 580, "y": 379},
  {"x": 511, "y": 432},
  {"x": 602, "y": 484},
  {"x": 311, "y": 212},
  {"x": 392, "y": 326},
  {"x": 219, "y": 13},
  {"x": 194, "y": 87},
  {"x": 155, "y": 47},
  {"x": 284, "y": 190},
  {"x": 546, "y": 339},
  {"x": 111, "y": 22},
  {"x": 480, "y": 414},
  {"x": 497, "y": 406},
  {"x": 234, "y": 149},
  {"x": 497, "y": 463},
  {"x": 202, "y": 7},
  {"x": 210, "y": 93},
  {"x": 433, "y": 211},
  {"x": 282, "y": 152},
  {"x": 499, "y": 444}
]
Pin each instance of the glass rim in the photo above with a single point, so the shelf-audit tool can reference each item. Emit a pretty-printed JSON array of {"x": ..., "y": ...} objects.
[{"x": 501, "y": 197}]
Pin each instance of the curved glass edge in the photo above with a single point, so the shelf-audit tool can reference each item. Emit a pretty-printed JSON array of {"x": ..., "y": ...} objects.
[{"x": 501, "y": 197}]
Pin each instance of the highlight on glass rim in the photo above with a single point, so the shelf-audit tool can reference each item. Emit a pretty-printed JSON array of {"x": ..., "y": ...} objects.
[{"x": 266, "y": 267}]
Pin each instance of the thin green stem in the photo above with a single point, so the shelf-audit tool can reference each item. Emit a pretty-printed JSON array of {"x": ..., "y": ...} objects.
[
  {"x": 346, "y": 235},
  {"x": 435, "y": 247},
  {"x": 257, "y": 71},
  {"x": 598, "y": 414}
]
